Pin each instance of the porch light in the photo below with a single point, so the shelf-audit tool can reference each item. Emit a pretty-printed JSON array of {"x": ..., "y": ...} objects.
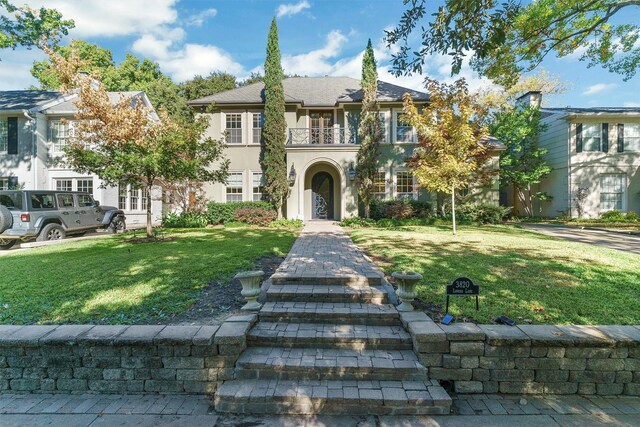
[
  {"x": 352, "y": 172},
  {"x": 292, "y": 176}
]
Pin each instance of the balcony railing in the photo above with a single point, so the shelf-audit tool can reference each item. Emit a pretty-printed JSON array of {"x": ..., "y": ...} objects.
[{"x": 321, "y": 136}]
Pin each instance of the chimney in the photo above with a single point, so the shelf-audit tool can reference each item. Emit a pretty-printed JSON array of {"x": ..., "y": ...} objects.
[{"x": 532, "y": 99}]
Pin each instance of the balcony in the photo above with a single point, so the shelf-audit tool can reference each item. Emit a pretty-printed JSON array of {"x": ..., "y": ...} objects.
[{"x": 321, "y": 136}]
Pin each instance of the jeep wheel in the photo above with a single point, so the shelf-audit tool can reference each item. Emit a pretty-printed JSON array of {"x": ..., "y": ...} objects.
[
  {"x": 6, "y": 243},
  {"x": 117, "y": 225},
  {"x": 51, "y": 232},
  {"x": 6, "y": 219}
]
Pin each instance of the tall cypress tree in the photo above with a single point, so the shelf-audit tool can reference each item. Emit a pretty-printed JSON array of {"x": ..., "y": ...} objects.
[
  {"x": 369, "y": 130},
  {"x": 274, "y": 161}
]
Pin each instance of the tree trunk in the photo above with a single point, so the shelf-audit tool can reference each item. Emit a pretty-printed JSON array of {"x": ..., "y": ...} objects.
[
  {"x": 367, "y": 209},
  {"x": 280, "y": 211},
  {"x": 453, "y": 208},
  {"x": 516, "y": 196},
  {"x": 149, "y": 225}
]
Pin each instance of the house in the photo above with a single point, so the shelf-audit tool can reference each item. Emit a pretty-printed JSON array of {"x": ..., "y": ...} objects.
[
  {"x": 595, "y": 156},
  {"x": 322, "y": 116},
  {"x": 34, "y": 128}
]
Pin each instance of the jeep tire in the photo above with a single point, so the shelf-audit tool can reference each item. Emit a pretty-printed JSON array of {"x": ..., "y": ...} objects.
[
  {"x": 51, "y": 232},
  {"x": 116, "y": 225},
  {"x": 6, "y": 219},
  {"x": 6, "y": 243}
]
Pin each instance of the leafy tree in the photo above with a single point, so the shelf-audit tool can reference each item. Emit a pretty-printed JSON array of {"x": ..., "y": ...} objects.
[
  {"x": 523, "y": 163},
  {"x": 24, "y": 26},
  {"x": 274, "y": 155},
  {"x": 253, "y": 78},
  {"x": 370, "y": 130},
  {"x": 497, "y": 98},
  {"x": 124, "y": 144},
  {"x": 215, "y": 82},
  {"x": 451, "y": 131},
  {"x": 509, "y": 38}
]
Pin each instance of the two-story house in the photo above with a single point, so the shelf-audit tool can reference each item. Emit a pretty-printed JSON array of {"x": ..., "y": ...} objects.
[
  {"x": 322, "y": 115},
  {"x": 34, "y": 128},
  {"x": 595, "y": 156}
]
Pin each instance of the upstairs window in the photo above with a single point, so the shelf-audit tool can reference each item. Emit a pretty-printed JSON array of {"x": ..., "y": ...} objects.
[
  {"x": 591, "y": 137},
  {"x": 256, "y": 130},
  {"x": 59, "y": 135},
  {"x": 383, "y": 124},
  {"x": 631, "y": 137},
  {"x": 234, "y": 187},
  {"x": 404, "y": 131},
  {"x": 4, "y": 136},
  {"x": 233, "y": 127}
]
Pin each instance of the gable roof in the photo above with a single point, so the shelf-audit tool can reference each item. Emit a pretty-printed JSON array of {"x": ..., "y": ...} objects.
[
  {"x": 11, "y": 100},
  {"x": 311, "y": 92},
  {"x": 595, "y": 110},
  {"x": 68, "y": 106}
]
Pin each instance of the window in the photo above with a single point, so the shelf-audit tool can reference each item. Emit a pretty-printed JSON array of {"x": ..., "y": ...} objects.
[
  {"x": 234, "y": 187},
  {"x": 632, "y": 137},
  {"x": 85, "y": 185},
  {"x": 258, "y": 121},
  {"x": 383, "y": 124},
  {"x": 258, "y": 186},
  {"x": 85, "y": 200},
  {"x": 591, "y": 137},
  {"x": 131, "y": 198},
  {"x": 405, "y": 189},
  {"x": 64, "y": 185},
  {"x": 122, "y": 197},
  {"x": 134, "y": 197},
  {"x": 233, "y": 122},
  {"x": 379, "y": 185},
  {"x": 4, "y": 184},
  {"x": 59, "y": 133},
  {"x": 42, "y": 201},
  {"x": 143, "y": 200},
  {"x": 65, "y": 200},
  {"x": 4, "y": 136},
  {"x": 404, "y": 131},
  {"x": 612, "y": 188}
]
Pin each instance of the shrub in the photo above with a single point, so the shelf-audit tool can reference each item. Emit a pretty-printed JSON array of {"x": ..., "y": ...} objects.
[
  {"x": 617, "y": 216},
  {"x": 400, "y": 209},
  {"x": 185, "y": 220},
  {"x": 357, "y": 222},
  {"x": 286, "y": 223},
  {"x": 482, "y": 213},
  {"x": 254, "y": 215},
  {"x": 632, "y": 216},
  {"x": 219, "y": 213}
]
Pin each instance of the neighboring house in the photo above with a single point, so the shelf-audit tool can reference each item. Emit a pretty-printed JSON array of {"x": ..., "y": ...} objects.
[
  {"x": 34, "y": 128},
  {"x": 322, "y": 115},
  {"x": 595, "y": 154}
]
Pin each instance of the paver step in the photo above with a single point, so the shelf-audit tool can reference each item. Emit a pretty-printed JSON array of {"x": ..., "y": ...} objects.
[
  {"x": 332, "y": 397},
  {"x": 326, "y": 278},
  {"x": 327, "y": 312},
  {"x": 327, "y": 363},
  {"x": 327, "y": 293},
  {"x": 320, "y": 335}
]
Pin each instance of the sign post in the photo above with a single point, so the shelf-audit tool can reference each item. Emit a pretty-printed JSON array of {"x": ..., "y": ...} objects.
[{"x": 462, "y": 287}]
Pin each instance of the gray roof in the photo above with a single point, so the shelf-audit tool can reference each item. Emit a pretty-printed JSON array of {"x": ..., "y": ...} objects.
[
  {"x": 69, "y": 107},
  {"x": 311, "y": 92},
  {"x": 25, "y": 99},
  {"x": 595, "y": 110}
]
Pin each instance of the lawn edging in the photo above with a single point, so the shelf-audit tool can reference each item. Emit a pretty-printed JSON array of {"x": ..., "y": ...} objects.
[
  {"x": 529, "y": 359},
  {"x": 119, "y": 358}
]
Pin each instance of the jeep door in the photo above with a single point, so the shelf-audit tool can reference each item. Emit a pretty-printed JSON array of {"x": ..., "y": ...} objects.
[
  {"x": 68, "y": 210},
  {"x": 89, "y": 214}
]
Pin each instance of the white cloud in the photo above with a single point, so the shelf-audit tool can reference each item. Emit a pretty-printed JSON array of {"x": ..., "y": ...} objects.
[
  {"x": 15, "y": 68},
  {"x": 113, "y": 18},
  {"x": 292, "y": 9},
  {"x": 599, "y": 87},
  {"x": 317, "y": 61},
  {"x": 198, "y": 19},
  {"x": 631, "y": 104}
]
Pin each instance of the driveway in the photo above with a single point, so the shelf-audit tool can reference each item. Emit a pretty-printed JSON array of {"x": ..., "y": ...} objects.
[{"x": 608, "y": 239}]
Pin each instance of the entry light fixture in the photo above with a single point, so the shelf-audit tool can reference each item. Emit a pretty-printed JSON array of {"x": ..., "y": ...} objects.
[
  {"x": 352, "y": 172},
  {"x": 292, "y": 176}
]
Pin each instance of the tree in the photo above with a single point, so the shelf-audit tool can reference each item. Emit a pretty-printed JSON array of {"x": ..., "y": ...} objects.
[
  {"x": 215, "y": 82},
  {"x": 370, "y": 130},
  {"x": 274, "y": 155},
  {"x": 451, "y": 131},
  {"x": 506, "y": 39},
  {"x": 522, "y": 163},
  {"x": 27, "y": 27},
  {"x": 123, "y": 143}
]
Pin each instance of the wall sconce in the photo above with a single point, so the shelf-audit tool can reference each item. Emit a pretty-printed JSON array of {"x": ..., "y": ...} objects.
[
  {"x": 292, "y": 176},
  {"x": 352, "y": 172}
]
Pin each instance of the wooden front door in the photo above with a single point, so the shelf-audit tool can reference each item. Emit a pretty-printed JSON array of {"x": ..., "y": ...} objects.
[{"x": 321, "y": 127}]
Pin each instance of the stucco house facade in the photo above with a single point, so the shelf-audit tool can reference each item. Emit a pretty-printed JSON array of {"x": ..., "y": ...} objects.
[
  {"x": 322, "y": 116},
  {"x": 34, "y": 127},
  {"x": 595, "y": 156}
]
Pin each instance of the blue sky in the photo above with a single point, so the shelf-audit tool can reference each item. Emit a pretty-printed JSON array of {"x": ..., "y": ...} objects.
[{"x": 317, "y": 37}]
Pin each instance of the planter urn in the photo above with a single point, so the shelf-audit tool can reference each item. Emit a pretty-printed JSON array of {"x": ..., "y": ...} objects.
[
  {"x": 407, "y": 281},
  {"x": 250, "y": 281}
]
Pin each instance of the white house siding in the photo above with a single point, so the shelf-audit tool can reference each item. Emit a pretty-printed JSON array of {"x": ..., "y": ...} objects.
[{"x": 19, "y": 165}]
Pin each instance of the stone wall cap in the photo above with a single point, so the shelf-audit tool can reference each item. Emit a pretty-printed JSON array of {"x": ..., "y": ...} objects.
[
  {"x": 232, "y": 333},
  {"x": 463, "y": 332},
  {"x": 65, "y": 334},
  {"x": 27, "y": 336},
  {"x": 413, "y": 316},
  {"x": 205, "y": 335},
  {"x": 251, "y": 318},
  {"x": 176, "y": 334},
  {"x": 138, "y": 334},
  {"x": 505, "y": 335},
  {"x": 102, "y": 334},
  {"x": 426, "y": 332},
  {"x": 624, "y": 335},
  {"x": 6, "y": 331},
  {"x": 586, "y": 335},
  {"x": 547, "y": 335}
]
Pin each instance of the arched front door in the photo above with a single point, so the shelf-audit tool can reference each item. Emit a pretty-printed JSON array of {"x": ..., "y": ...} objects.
[{"x": 322, "y": 196}]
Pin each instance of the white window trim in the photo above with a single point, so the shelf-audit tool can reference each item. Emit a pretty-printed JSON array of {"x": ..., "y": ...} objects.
[
  {"x": 50, "y": 143},
  {"x": 5, "y": 151},
  {"x": 395, "y": 129},
  {"x": 243, "y": 124},
  {"x": 625, "y": 185},
  {"x": 251, "y": 183},
  {"x": 128, "y": 199},
  {"x": 74, "y": 182},
  {"x": 4, "y": 183},
  {"x": 387, "y": 187},
  {"x": 599, "y": 150},
  {"x": 624, "y": 139},
  {"x": 387, "y": 126},
  {"x": 395, "y": 183},
  {"x": 244, "y": 186},
  {"x": 250, "y": 128}
]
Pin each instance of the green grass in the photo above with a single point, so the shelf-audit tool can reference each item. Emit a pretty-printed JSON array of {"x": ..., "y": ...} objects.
[
  {"x": 112, "y": 280},
  {"x": 521, "y": 274}
]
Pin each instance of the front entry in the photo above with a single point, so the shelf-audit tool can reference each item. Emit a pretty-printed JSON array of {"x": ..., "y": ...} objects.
[{"x": 322, "y": 196}]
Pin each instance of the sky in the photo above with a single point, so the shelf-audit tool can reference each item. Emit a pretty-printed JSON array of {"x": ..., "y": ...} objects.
[{"x": 317, "y": 38}]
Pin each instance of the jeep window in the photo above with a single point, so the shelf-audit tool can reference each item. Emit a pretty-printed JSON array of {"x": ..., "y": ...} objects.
[
  {"x": 85, "y": 200},
  {"x": 12, "y": 200},
  {"x": 42, "y": 201},
  {"x": 65, "y": 200}
]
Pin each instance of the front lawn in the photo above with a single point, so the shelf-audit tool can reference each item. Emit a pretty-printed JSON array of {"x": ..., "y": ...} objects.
[
  {"x": 113, "y": 280},
  {"x": 523, "y": 275}
]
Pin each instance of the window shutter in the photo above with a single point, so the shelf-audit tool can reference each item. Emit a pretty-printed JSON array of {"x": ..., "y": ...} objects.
[
  {"x": 13, "y": 182},
  {"x": 579, "y": 138},
  {"x": 12, "y": 134},
  {"x": 605, "y": 137},
  {"x": 620, "y": 137}
]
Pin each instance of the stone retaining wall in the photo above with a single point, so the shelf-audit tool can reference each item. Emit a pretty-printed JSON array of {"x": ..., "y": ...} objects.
[
  {"x": 120, "y": 359},
  {"x": 530, "y": 359}
]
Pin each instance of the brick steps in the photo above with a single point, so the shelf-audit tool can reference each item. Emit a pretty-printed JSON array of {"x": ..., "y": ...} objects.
[
  {"x": 347, "y": 279},
  {"x": 329, "y": 364},
  {"x": 327, "y": 293},
  {"x": 332, "y": 397},
  {"x": 339, "y": 313},
  {"x": 319, "y": 335}
]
